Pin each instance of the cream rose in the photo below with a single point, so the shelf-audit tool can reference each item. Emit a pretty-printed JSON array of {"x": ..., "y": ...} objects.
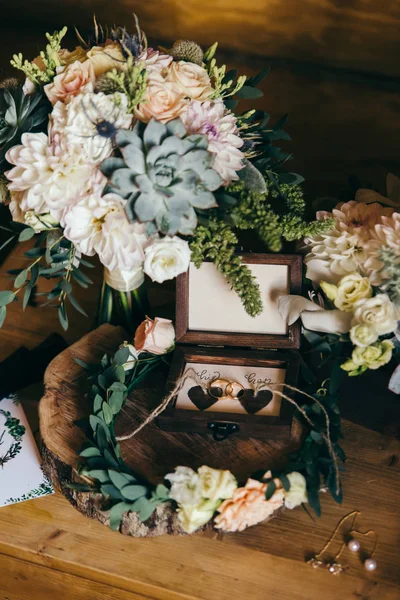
[
  {"x": 156, "y": 337},
  {"x": 164, "y": 100},
  {"x": 185, "y": 488},
  {"x": 373, "y": 357},
  {"x": 351, "y": 289},
  {"x": 193, "y": 80},
  {"x": 379, "y": 312},
  {"x": 69, "y": 81},
  {"x": 106, "y": 58},
  {"x": 297, "y": 493},
  {"x": 166, "y": 258},
  {"x": 216, "y": 484},
  {"x": 363, "y": 335},
  {"x": 193, "y": 517}
]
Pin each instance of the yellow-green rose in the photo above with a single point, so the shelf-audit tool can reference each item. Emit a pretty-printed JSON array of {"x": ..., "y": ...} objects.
[
  {"x": 363, "y": 335},
  {"x": 372, "y": 357},
  {"x": 297, "y": 493},
  {"x": 216, "y": 484},
  {"x": 194, "y": 517},
  {"x": 351, "y": 289}
]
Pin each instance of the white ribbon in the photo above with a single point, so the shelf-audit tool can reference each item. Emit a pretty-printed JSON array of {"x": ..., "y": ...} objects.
[
  {"x": 313, "y": 316},
  {"x": 124, "y": 281}
]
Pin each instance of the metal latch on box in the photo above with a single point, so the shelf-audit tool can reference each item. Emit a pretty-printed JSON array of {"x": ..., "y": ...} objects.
[{"x": 222, "y": 429}]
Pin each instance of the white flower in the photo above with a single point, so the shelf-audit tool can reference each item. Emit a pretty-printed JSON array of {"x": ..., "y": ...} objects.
[
  {"x": 89, "y": 122},
  {"x": 384, "y": 236},
  {"x": 49, "y": 178},
  {"x": 98, "y": 224},
  {"x": 166, "y": 258},
  {"x": 216, "y": 484},
  {"x": 40, "y": 222},
  {"x": 379, "y": 312},
  {"x": 351, "y": 289},
  {"x": 363, "y": 335},
  {"x": 185, "y": 488},
  {"x": 297, "y": 493},
  {"x": 342, "y": 250},
  {"x": 211, "y": 118}
]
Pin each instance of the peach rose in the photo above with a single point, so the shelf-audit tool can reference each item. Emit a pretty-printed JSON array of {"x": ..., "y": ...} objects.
[
  {"x": 106, "y": 58},
  {"x": 69, "y": 81},
  {"x": 164, "y": 100},
  {"x": 154, "y": 59},
  {"x": 68, "y": 57},
  {"x": 191, "y": 79},
  {"x": 156, "y": 337},
  {"x": 248, "y": 506}
]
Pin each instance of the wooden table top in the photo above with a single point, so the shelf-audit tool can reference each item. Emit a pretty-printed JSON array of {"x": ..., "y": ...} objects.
[{"x": 47, "y": 548}]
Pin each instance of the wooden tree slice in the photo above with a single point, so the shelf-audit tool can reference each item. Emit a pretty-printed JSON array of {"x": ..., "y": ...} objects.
[{"x": 152, "y": 453}]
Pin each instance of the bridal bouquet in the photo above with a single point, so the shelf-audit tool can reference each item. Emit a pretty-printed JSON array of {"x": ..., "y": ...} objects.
[
  {"x": 136, "y": 155},
  {"x": 354, "y": 271}
]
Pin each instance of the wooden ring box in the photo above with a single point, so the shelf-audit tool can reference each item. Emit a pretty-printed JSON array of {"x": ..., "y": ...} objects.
[{"x": 216, "y": 337}]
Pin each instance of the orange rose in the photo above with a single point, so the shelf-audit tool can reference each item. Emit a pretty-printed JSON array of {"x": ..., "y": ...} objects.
[
  {"x": 164, "y": 100},
  {"x": 191, "y": 79},
  {"x": 69, "y": 81},
  {"x": 248, "y": 506}
]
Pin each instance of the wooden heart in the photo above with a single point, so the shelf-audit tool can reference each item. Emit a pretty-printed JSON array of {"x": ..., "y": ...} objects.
[
  {"x": 253, "y": 404},
  {"x": 202, "y": 400}
]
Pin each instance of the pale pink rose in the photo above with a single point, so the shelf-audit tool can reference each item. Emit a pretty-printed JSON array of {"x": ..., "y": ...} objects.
[
  {"x": 156, "y": 337},
  {"x": 164, "y": 100},
  {"x": 106, "y": 58},
  {"x": 193, "y": 80},
  {"x": 248, "y": 506},
  {"x": 154, "y": 59},
  {"x": 69, "y": 81}
]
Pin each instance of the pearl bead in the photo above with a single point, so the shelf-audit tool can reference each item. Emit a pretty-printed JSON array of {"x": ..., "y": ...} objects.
[
  {"x": 370, "y": 564},
  {"x": 353, "y": 545}
]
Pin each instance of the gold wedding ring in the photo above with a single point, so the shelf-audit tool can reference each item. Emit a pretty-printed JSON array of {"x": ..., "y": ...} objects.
[{"x": 222, "y": 389}]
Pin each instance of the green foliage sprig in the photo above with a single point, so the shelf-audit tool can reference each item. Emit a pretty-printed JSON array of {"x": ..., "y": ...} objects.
[
  {"x": 132, "y": 82},
  {"x": 16, "y": 431},
  {"x": 121, "y": 488},
  {"x": 50, "y": 57},
  {"x": 217, "y": 242},
  {"x": 55, "y": 259}
]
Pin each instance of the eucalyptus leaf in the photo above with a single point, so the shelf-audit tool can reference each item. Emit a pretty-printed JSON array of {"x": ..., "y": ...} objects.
[
  {"x": 120, "y": 479},
  {"x": 116, "y": 402},
  {"x": 132, "y": 492},
  {"x": 249, "y": 93},
  {"x": 108, "y": 489},
  {"x": 111, "y": 461},
  {"x": 162, "y": 491},
  {"x": 107, "y": 412},
  {"x": 21, "y": 278},
  {"x": 27, "y": 295},
  {"x": 270, "y": 491},
  {"x": 6, "y": 297},
  {"x": 62, "y": 316},
  {"x": 100, "y": 474},
  {"x": 97, "y": 402},
  {"x": 116, "y": 514},
  {"x": 3, "y": 314},
  {"x": 285, "y": 482},
  {"x": 121, "y": 356},
  {"x": 90, "y": 452},
  {"x": 26, "y": 234}
]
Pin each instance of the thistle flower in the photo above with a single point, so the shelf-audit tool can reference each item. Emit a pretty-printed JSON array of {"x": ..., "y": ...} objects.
[{"x": 188, "y": 51}]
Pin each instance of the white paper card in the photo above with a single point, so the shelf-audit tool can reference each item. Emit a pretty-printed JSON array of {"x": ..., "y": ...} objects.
[
  {"x": 248, "y": 377},
  {"x": 214, "y": 306},
  {"x": 21, "y": 475}
]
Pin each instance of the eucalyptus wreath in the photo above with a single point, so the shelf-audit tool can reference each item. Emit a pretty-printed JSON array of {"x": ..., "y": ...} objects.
[{"x": 123, "y": 490}]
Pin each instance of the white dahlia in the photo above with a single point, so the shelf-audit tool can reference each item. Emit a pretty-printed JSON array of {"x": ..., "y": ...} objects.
[
  {"x": 48, "y": 177},
  {"x": 385, "y": 242},
  {"x": 342, "y": 249},
  {"x": 211, "y": 118},
  {"x": 98, "y": 224},
  {"x": 89, "y": 122}
]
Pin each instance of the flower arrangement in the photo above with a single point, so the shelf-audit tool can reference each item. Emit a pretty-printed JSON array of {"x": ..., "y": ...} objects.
[
  {"x": 138, "y": 156},
  {"x": 354, "y": 272},
  {"x": 207, "y": 495}
]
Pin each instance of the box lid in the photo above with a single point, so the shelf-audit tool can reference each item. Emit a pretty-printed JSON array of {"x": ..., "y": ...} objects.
[{"x": 209, "y": 312}]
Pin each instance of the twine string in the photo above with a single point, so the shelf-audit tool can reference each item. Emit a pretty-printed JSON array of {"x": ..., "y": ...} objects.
[{"x": 190, "y": 373}]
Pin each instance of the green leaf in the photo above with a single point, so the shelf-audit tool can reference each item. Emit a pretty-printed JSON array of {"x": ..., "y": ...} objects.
[
  {"x": 116, "y": 513},
  {"x": 27, "y": 295},
  {"x": 34, "y": 252},
  {"x": 90, "y": 452},
  {"x": 116, "y": 402},
  {"x": 117, "y": 386},
  {"x": 97, "y": 402},
  {"x": 132, "y": 492},
  {"x": 249, "y": 93},
  {"x": 121, "y": 356},
  {"x": 162, "y": 491},
  {"x": 316, "y": 436},
  {"x": 6, "y": 297},
  {"x": 7, "y": 242},
  {"x": 285, "y": 482},
  {"x": 110, "y": 490},
  {"x": 111, "y": 461},
  {"x": 76, "y": 305},
  {"x": 120, "y": 479},
  {"x": 62, "y": 316},
  {"x": 102, "y": 436},
  {"x": 270, "y": 491},
  {"x": 313, "y": 500},
  {"x": 26, "y": 234},
  {"x": 120, "y": 373},
  {"x": 257, "y": 79},
  {"x": 107, "y": 412},
  {"x": 21, "y": 278},
  {"x": 3, "y": 314},
  {"x": 100, "y": 474}
]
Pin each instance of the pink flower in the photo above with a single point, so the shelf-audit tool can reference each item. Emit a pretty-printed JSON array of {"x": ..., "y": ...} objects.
[
  {"x": 156, "y": 337},
  {"x": 69, "y": 81},
  {"x": 210, "y": 118},
  {"x": 154, "y": 59},
  {"x": 248, "y": 506},
  {"x": 164, "y": 100}
]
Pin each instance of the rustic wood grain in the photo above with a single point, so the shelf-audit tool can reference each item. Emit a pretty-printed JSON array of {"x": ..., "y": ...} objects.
[{"x": 356, "y": 35}]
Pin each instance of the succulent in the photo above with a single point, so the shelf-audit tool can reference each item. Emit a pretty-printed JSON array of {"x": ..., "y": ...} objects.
[
  {"x": 19, "y": 113},
  {"x": 164, "y": 174}
]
